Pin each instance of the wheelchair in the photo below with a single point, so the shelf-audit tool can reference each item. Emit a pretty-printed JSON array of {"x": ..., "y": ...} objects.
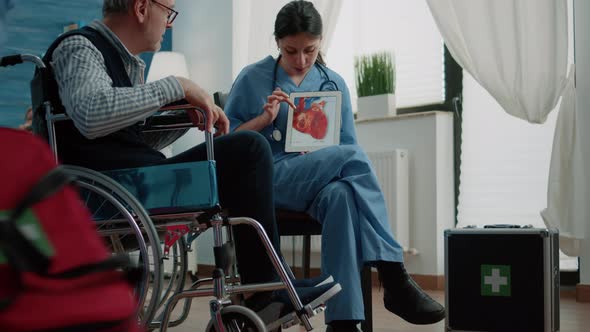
[{"x": 143, "y": 212}]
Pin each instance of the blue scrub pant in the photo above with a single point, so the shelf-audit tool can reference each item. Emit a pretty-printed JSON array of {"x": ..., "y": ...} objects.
[{"x": 338, "y": 187}]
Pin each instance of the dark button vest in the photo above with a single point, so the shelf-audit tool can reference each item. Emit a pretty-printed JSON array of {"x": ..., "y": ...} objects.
[{"x": 122, "y": 149}]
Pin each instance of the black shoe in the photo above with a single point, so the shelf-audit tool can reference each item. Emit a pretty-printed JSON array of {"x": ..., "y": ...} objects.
[
  {"x": 343, "y": 326},
  {"x": 405, "y": 298}
]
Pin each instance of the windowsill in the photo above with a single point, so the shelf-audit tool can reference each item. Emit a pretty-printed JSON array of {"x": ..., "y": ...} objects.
[{"x": 400, "y": 116}]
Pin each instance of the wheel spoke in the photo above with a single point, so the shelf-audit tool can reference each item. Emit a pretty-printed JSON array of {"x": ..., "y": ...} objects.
[{"x": 127, "y": 229}]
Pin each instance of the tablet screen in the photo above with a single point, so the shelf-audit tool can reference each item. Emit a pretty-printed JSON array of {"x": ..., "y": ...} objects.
[{"x": 315, "y": 123}]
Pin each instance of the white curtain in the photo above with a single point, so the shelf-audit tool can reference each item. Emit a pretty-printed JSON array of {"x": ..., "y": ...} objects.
[
  {"x": 518, "y": 51},
  {"x": 568, "y": 193},
  {"x": 254, "y": 26}
]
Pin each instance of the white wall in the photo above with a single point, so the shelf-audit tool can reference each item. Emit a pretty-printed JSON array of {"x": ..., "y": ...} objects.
[
  {"x": 582, "y": 56},
  {"x": 431, "y": 179},
  {"x": 203, "y": 33}
]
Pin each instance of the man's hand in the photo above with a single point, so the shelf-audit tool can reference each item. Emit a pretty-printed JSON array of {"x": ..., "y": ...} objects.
[
  {"x": 198, "y": 97},
  {"x": 221, "y": 122}
]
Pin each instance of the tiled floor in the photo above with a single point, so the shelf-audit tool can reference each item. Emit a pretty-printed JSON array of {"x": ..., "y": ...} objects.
[{"x": 575, "y": 317}]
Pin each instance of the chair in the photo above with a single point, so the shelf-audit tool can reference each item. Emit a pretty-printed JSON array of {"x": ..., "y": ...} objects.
[
  {"x": 295, "y": 223},
  {"x": 132, "y": 209}
]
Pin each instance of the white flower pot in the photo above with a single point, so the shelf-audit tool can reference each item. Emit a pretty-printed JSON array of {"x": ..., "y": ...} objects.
[{"x": 379, "y": 106}]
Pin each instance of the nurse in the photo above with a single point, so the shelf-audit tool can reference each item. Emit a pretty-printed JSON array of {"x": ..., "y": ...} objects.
[{"x": 336, "y": 185}]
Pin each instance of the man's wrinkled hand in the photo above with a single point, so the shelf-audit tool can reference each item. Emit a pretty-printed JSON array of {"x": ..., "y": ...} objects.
[{"x": 221, "y": 123}]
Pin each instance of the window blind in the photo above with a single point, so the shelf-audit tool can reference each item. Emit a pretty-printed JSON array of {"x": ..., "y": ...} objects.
[
  {"x": 504, "y": 162},
  {"x": 504, "y": 165},
  {"x": 403, "y": 27}
]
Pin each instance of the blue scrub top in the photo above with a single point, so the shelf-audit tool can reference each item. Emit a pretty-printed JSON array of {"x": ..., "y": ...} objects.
[{"x": 255, "y": 83}]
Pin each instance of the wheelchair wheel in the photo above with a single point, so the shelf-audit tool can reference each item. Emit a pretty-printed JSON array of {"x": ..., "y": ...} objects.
[
  {"x": 126, "y": 228},
  {"x": 175, "y": 271},
  {"x": 238, "y": 318}
]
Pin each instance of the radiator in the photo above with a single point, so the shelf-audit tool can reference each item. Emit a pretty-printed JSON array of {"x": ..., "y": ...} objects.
[{"x": 391, "y": 168}]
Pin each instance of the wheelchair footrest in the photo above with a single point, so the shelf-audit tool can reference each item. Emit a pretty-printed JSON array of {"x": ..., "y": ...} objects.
[
  {"x": 296, "y": 320},
  {"x": 316, "y": 306}
]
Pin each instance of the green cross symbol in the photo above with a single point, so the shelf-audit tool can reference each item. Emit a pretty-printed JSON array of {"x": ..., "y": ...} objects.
[
  {"x": 495, "y": 280},
  {"x": 31, "y": 229}
]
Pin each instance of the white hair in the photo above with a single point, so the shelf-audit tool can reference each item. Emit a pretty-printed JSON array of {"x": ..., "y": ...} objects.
[{"x": 115, "y": 6}]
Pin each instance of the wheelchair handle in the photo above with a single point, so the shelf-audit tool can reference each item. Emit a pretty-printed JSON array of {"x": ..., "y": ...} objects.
[
  {"x": 208, "y": 137},
  {"x": 12, "y": 60}
]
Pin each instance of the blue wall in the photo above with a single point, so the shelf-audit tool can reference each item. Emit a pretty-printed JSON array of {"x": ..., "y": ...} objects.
[{"x": 31, "y": 27}]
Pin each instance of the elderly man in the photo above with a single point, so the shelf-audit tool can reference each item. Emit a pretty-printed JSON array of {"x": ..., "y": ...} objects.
[{"x": 106, "y": 106}]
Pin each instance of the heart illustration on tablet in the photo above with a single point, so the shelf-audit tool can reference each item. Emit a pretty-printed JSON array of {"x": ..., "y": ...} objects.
[{"x": 312, "y": 121}]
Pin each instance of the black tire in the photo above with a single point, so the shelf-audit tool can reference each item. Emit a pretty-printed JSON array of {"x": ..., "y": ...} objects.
[
  {"x": 126, "y": 228},
  {"x": 238, "y": 318},
  {"x": 174, "y": 280}
]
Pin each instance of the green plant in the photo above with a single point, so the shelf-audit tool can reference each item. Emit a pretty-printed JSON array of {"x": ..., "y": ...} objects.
[{"x": 375, "y": 74}]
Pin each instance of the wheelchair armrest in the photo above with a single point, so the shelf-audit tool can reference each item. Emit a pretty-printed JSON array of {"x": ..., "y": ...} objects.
[
  {"x": 173, "y": 116},
  {"x": 181, "y": 104},
  {"x": 167, "y": 120},
  {"x": 167, "y": 125}
]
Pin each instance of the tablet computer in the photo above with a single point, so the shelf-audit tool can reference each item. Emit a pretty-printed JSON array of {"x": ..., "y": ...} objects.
[{"x": 315, "y": 123}]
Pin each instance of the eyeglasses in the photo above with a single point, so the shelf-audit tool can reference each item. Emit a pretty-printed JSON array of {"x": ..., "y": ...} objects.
[{"x": 171, "y": 12}]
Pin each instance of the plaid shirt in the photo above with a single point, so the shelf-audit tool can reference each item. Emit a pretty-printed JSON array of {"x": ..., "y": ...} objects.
[{"x": 95, "y": 106}]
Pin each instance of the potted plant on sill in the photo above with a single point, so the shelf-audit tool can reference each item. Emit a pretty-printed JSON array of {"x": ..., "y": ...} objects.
[{"x": 375, "y": 85}]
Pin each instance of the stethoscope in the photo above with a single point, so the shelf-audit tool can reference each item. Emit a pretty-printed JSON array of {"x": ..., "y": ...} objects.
[{"x": 276, "y": 135}]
